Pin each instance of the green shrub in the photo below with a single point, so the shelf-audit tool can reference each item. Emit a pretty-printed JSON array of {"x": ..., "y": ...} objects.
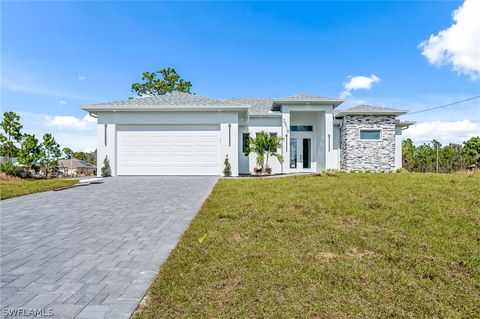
[
  {"x": 227, "y": 171},
  {"x": 106, "y": 170},
  {"x": 11, "y": 169}
]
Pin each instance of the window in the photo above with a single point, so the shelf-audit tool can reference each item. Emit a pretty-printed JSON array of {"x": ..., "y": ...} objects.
[
  {"x": 370, "y": 134},
  {"x": 245, "y": 144},
  {"x": 301, "y": 128},
  {"x": 272, "y": 134}
]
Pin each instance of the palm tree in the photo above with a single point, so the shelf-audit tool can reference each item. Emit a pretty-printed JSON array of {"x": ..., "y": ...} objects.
[
  {"x": 273, "y": 144},
  {"x": 265, "y": 146}
]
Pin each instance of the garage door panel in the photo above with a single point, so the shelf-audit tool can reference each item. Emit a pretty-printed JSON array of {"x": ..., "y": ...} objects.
[{"x": 168, "y": 149}]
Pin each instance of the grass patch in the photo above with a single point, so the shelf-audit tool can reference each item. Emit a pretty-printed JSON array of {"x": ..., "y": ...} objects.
[
  {"x": 346, "y": 246},
  {"x": 18, "y": 187}
]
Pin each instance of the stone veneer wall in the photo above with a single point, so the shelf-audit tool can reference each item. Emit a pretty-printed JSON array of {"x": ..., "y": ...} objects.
[{"x": 356, "y": 154}]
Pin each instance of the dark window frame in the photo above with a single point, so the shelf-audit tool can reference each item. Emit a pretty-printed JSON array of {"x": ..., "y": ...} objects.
[
  {"x": 245, "y": 144},
  {"x": 301, "y": 128},
  {"x": 362, "y": 130}
]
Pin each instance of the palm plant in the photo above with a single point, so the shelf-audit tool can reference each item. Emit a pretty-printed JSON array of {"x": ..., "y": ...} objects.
[{"x": 265, "y": 146}]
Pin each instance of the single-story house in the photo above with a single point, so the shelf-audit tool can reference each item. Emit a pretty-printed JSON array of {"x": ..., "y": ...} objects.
[
  {"x": 186, "y": 134},
  {"x": 76, "y": 167}
]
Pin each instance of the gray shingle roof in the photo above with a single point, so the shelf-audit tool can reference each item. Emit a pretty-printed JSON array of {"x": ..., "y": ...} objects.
[
  {"x": 257, "y": 106},
  {"x": 308, "y": 97},
  {"x": 167, "y": 99},
  {"x": 75, "y": 163},
  {"x": 369, "y": 109},
  {"x": 265, "y": 105}
]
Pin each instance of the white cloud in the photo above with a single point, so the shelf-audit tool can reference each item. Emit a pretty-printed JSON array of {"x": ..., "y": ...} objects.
[
  {"x": 82, "y": 77},
  {"x": 459, "y": 44},
  {"x": 78, "y": 140},
  {"x": 358, "y": 82},
  {"x": 443, "y": 131},
  {"x": 70, "y": 122},
  {"x": 63, "y": 102}
]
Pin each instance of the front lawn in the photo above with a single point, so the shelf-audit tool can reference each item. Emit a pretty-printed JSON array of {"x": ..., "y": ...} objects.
[
  {"x": 19, "y": 187},
  {"x": 347, "y": 246}
]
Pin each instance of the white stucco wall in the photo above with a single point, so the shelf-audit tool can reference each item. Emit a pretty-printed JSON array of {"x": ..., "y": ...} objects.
[
  {"x": 227, "y": 146},
  {"x": 398, "y": 147},
  {"x": 106, "y": 147},
  {"x": 336, "y": 145},
  {"x": 331, "y": 156}
]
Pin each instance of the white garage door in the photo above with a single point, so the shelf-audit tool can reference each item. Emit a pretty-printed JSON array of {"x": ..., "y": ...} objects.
[{"x": 168, "y": 149}]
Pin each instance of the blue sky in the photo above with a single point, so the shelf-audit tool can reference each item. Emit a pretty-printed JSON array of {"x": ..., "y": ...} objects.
[{"x": 56, "y": 56}]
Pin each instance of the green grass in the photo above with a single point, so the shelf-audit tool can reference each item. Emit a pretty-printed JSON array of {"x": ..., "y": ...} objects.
[
  {"x": 346, "y": 246},
  {"x": 14, "y": 188}
]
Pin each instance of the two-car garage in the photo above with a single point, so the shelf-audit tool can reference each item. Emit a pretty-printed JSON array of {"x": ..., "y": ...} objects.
[
  {"x": 170, "y": 134},
  {"x": 168, "y": 149}
]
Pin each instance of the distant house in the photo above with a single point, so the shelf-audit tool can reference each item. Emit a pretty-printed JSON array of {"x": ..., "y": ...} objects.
[{"x": 76, "y": 167}]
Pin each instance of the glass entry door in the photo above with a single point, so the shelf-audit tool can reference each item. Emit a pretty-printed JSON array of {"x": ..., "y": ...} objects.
[
  {"x": 293, "y": 153},
  {"x": 300, "y": 153}
]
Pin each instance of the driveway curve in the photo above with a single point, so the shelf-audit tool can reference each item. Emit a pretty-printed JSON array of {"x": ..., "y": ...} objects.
[{"x": 92, "y": 251}]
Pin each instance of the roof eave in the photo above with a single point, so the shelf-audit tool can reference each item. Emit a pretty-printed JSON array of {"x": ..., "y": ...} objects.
[
  {"x": 265, "y": 114},
  {"x": 335, "y": 103},
  {"x": 405, "y": 123},
  {"x": 163, "y": 108},
  {"x": 397, "y": 113}
]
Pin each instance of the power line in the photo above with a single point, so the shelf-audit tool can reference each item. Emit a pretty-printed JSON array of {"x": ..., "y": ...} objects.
[{"x": 445, "y": 105}]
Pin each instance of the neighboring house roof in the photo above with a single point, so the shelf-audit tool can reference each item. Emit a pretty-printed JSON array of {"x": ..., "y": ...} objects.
[
  {"x": 74, "y": 163},
  {"x": 369, "y": 110}
]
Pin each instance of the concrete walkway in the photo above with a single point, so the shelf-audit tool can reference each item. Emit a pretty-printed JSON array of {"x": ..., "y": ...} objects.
[{"x": 92, "y": 251}]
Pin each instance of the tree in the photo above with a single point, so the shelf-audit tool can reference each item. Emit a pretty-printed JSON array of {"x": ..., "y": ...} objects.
[
  {"x": 257, "y": 145},
  {"x": 50, "y": 152},
  {"x": 265, "y": 146},
  {"x": 92, "y": 157},
  {"x": 471, "y": 150},
  {"x": 68, "y": 152},
  {"x": 437, "y": 146},
  {"x": 30, "y": 151},
  {"x": 153, "y": 85},
  {"x": 273, "y": 143},
  {"x": 106, "y": 170},
  {"x": 424, "y": 158},
  {"x": 408, "y": 155},
  {"x": 11, "y": 134},
  {"x": 451, "y": 158}
]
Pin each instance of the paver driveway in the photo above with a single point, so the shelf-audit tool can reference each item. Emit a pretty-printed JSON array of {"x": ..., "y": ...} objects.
[{"x": 92, "y": 251}]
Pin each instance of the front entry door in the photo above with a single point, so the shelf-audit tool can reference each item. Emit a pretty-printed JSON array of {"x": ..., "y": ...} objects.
[{"x": 301, "y": 153}]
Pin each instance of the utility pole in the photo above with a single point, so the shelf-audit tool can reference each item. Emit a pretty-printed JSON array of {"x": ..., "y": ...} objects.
[{"x": 437, "y": 157}]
